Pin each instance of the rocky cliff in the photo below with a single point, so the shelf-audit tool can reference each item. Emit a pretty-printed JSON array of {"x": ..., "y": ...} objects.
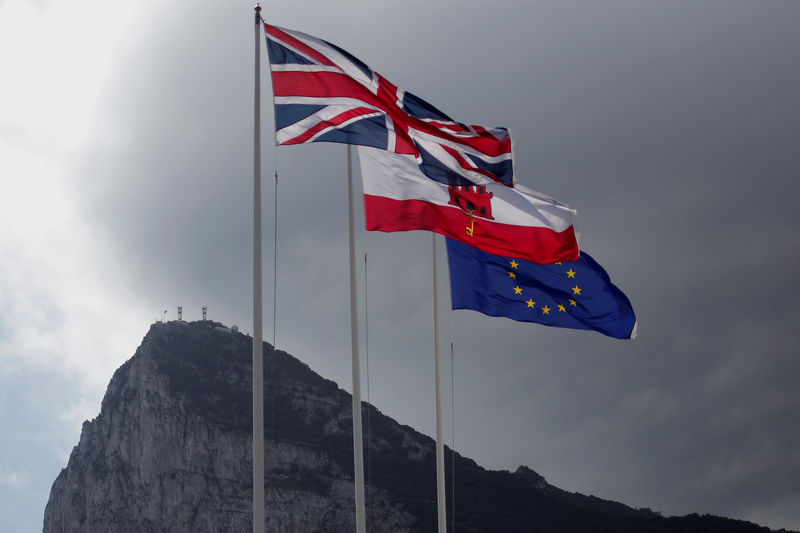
[{"x": 171, "y": 451}]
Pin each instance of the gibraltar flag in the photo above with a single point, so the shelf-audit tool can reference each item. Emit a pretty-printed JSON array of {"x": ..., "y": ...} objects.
[{"x": 498, "y": 219}]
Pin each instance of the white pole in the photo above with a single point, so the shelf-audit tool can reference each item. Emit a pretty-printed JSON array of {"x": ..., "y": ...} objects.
[
  {"x": 441, "y": 501},
  {"x": 258, "y": 359},
  {"x": 358, "y": 446}
]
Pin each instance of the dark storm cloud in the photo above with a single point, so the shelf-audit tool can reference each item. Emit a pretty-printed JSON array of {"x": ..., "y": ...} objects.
[{"x": 671, "y": 127}]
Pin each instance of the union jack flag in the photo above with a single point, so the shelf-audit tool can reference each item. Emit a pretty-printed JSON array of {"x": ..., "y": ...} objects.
[{"x": 323, "y": 93}]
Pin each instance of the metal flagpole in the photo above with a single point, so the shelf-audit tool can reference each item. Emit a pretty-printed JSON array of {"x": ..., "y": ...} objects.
[
  {"x": 258, "y": 359},
  {"x": 358, "y": 446},
  {"x": 441, "y": 501}
]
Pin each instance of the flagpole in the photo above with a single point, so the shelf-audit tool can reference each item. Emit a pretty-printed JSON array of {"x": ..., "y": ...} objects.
[
  {"x": 358, "y": 446},
  {"x": 441, "y": 501},
  {"x": 258, "y": 359}
]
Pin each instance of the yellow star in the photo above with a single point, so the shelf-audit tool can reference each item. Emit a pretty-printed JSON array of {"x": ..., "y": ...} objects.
[
  {"x": 530, "y": 303},
  {"x": 517, "y": 290},
  {"x": 570, "y": 273},
  {"x": 576, "y": 289},
  {"x": 545, "y": 310},
  {"x": 572, "y": 302},
  {"x": 512, "y": 275},
  {"x": 514, "y": 264},
  {"x": 562, "y": 308},
  {"x": 558, "y": 263}
]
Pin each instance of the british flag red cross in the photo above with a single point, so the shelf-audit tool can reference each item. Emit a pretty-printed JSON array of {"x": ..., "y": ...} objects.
[{"x": 324, "y": 94}]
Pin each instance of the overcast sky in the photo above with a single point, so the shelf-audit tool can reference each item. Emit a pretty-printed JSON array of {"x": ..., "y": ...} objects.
[{"x": 671, "y": 126}]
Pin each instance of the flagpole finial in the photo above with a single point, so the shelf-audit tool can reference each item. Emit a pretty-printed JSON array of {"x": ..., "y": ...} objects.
[{"x": 258, "y": 8}]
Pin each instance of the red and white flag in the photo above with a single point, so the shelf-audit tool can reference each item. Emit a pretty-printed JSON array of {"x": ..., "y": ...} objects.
[{"x": 495, "y": 218}]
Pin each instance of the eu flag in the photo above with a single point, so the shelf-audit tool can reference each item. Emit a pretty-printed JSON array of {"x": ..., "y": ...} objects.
[{"x": 572, "y": 294}]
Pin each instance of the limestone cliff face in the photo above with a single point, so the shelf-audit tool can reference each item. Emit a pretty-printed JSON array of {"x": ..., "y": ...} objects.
[{"x": 171, "y": 451}]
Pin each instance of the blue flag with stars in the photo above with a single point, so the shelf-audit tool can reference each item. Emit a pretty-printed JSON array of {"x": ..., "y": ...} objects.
[{"x": 572, "y": 294}]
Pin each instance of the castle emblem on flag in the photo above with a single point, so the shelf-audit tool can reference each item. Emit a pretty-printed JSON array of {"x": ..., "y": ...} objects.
[{"x": 474, "y": 201}]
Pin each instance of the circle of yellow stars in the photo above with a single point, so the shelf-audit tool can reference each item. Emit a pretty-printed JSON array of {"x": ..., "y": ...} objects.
[{"x": 561, "y": 308}]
